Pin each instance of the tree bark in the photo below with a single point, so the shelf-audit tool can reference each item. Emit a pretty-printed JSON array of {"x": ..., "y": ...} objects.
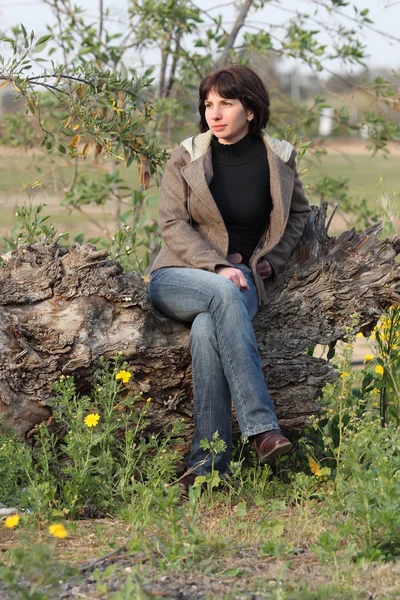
[{"x": 61, "y": 309}]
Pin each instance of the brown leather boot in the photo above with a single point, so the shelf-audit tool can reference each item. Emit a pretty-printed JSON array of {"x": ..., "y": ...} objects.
[{"x": 270, "y": 444}]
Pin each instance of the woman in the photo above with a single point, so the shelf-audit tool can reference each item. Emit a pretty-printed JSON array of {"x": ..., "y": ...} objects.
[{"x": 231, "y": 211}]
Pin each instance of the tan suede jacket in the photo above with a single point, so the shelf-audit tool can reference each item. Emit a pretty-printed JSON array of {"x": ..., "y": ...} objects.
[{"x": 192, "y": 228}]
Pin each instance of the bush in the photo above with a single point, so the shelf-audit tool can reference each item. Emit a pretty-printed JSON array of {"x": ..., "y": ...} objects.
[{"x": 89, "y": 460}]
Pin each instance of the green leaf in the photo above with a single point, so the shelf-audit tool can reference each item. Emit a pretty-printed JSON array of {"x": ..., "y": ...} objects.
[
  {"x": 42, "y": 43},
  {"x": 43, "y": 39},
  {"x": 214, "y": 480},
  {"x": 241, "y": 510},
  {"x": 62, "y": 149},
  {"x": 277, "y": 529},
  {"x": 234, "y": 572},
  {"x": 39, "y": 47},
  {"x": 198, "y": 482},
  {"x": 124, "y": 71},
  {"x": 24, "y": 32}
]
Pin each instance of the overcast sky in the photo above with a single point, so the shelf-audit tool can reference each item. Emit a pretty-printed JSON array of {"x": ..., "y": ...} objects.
[{"x": 383, "y": 50}]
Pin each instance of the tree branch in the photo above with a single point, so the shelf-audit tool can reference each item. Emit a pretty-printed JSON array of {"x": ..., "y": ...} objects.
[
  {"x": 174, "y": 65},
  {"x": 240, "y": 21},
  {"x": 367, "y": 25},
  {"x": 101, "y": 12},
  {"x": 55, "y": 76}
]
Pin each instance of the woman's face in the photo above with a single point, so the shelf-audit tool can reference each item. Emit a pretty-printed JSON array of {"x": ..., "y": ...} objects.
[{"x": 228, "y": 119}]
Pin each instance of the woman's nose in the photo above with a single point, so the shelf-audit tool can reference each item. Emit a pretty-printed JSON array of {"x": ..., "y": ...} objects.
[{"x": 216, "y": 114}]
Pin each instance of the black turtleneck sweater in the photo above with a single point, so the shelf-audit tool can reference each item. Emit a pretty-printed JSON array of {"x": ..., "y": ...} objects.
[{"x": 241, "y": 190}]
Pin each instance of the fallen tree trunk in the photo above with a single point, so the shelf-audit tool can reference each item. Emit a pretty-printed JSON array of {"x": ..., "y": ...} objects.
[{"x": 63, "y": 308}]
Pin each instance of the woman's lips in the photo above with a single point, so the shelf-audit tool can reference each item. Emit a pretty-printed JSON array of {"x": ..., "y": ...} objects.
[{"x": 218, "y": 127}]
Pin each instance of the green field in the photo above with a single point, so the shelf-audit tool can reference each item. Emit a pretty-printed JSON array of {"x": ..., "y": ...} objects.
[
  {"x": 363, "y": 173},
  {"x": 368, "y": 178}
]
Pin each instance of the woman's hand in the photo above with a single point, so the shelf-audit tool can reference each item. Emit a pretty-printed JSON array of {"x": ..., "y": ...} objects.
[
  {"x": 234, "y": 275},
  {"x": 264, "y": 268}
]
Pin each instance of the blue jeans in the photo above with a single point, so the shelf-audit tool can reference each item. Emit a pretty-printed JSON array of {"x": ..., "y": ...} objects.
[{"x": 225, "y": 360}]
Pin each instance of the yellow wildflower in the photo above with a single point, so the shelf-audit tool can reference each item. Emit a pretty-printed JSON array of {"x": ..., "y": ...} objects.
[
  {"x": 12, "y": 521},
  {"x": 379, "y": 369},
  {"x": 375, "y": 405},
  {"x": 124, "y": 376},
  {"x": 368, "y": 358},
  {"x": 149, "y": 399},
  {"x": 345, "y": 374},
  {"x": 58, "y": 530},
  {"x": 314, "y": 466},
  {"x": 360, "y": 335},
  {"x": 92, "y": 420}
]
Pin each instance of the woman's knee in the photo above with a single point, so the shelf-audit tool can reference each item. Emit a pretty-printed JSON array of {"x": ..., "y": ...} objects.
[
  {"x": 202, "y": 330},
  {"x": 226, "y": 292}
]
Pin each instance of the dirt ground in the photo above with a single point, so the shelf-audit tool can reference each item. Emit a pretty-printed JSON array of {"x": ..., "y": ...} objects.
[{"x": 240, "y": 573}]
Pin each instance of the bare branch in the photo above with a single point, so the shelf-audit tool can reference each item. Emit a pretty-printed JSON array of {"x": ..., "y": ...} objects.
[{"x": 101, "y": 13}]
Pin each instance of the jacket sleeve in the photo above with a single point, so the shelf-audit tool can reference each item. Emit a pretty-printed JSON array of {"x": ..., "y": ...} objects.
[
  {"x": 298, "y": 215},
  {"x": 176, "y": 231}
]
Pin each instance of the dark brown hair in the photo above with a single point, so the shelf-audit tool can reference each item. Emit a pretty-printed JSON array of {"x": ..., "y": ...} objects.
[{"x": 241, "y": 83}]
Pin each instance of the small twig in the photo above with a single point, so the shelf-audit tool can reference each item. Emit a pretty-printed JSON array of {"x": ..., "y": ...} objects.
[
  {"x": 188, "y": 472},
  {"x": 331, "y": 218},
  {"x": 350, "y": 18},
  {"x": 103, "y": 558},
  {"x": 192, "y": 60},
  {"x": 40, "y": 121},
  {"x": 93, "y": 264},
  {"x": 74, "y": 178},
  {"x": 51, "y": 87}
]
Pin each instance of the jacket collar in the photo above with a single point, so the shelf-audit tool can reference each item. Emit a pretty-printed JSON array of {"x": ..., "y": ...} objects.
[
  {"x": 200, "y": 144},
  {"x": 198, "y": 174}
]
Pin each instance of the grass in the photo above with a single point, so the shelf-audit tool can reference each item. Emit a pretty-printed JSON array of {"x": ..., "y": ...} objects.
[
  {"x": 362, "y": 170},
  {"x": 232, "y": 563},
  {"x": 56, "y": 176}
]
